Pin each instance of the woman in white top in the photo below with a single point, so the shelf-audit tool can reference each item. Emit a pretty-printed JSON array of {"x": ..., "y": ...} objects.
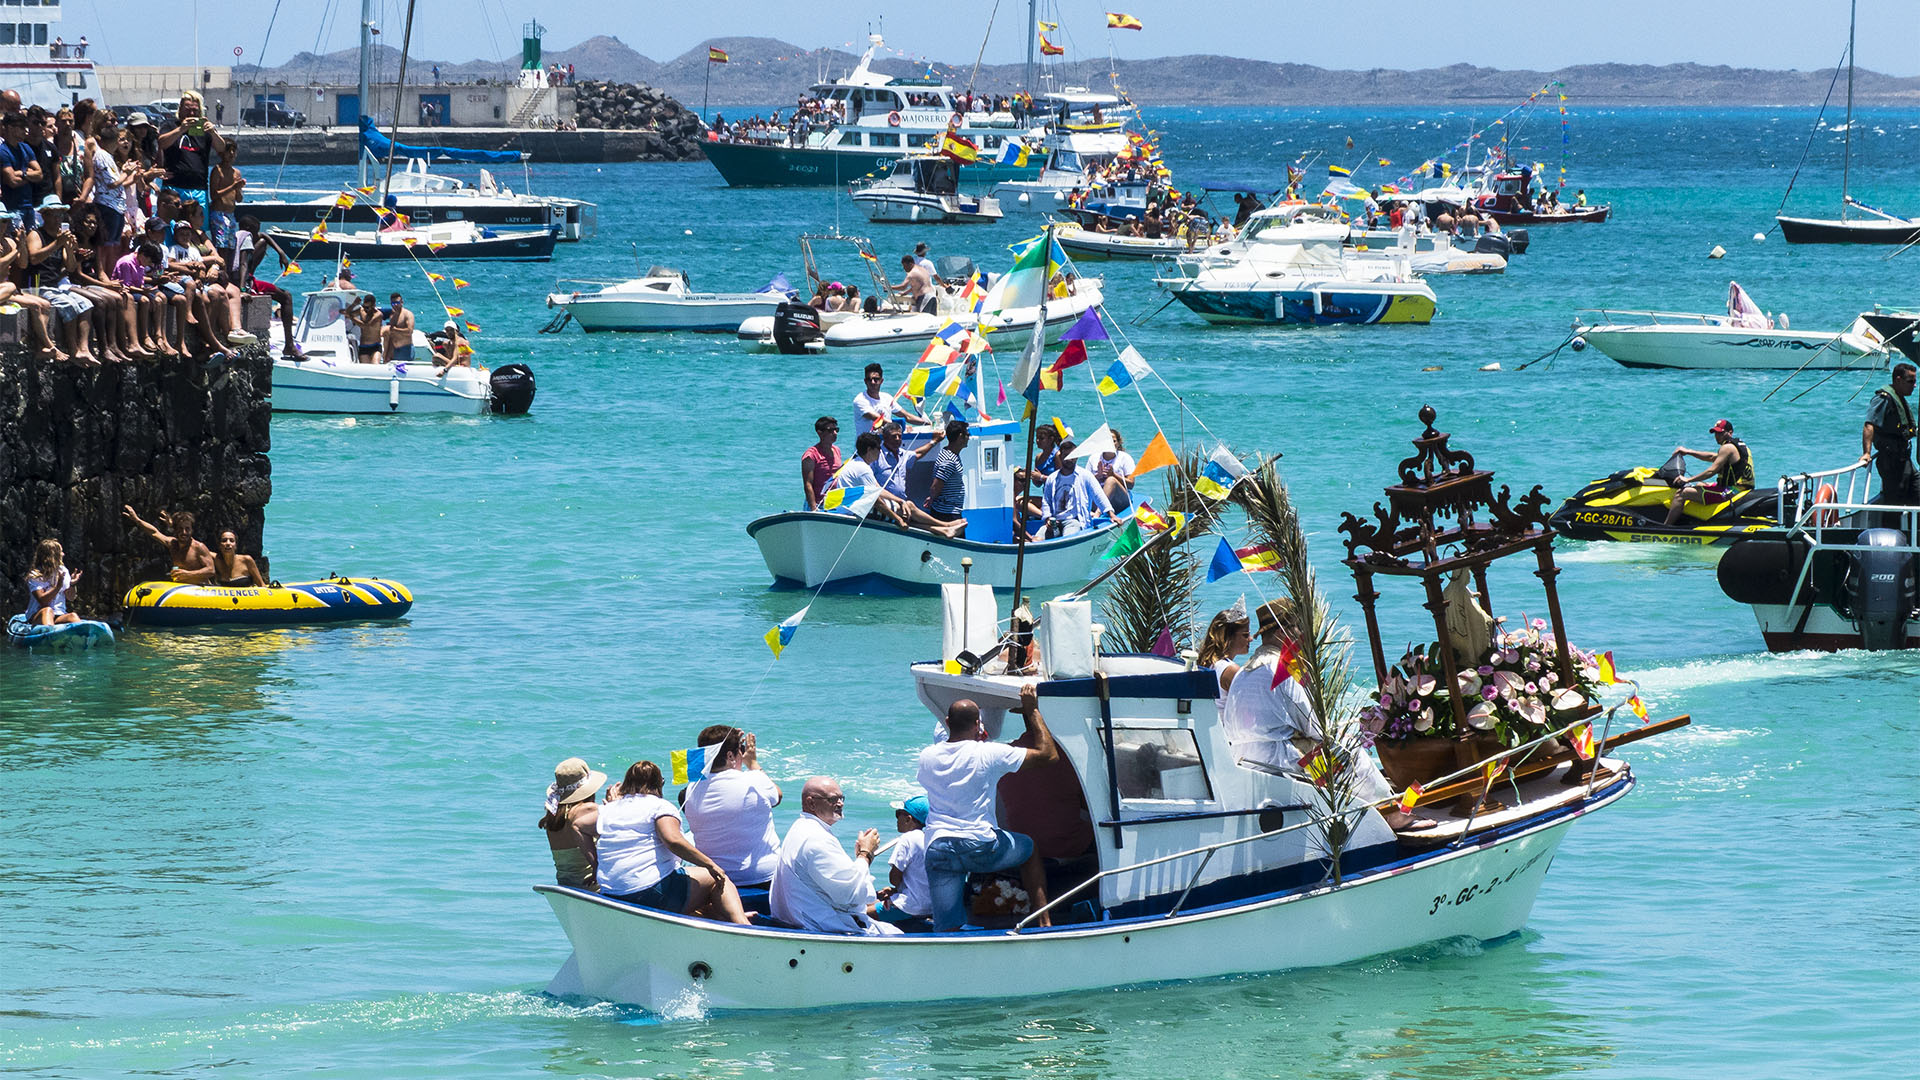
[
  {"x": 731, "y": 807},
  {"x": 1114, "y": 470},
  {"x": 1228, "y": 636},
  {"x": 640, "y": 847},
  {"x": 50, "y": 586}
]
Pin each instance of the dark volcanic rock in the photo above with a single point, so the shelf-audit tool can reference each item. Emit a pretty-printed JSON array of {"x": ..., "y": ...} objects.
[
  {"x": 76, "y": 444},
  {"x": 670, "y": 131}
]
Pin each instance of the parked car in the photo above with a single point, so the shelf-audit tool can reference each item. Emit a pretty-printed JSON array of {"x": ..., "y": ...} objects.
[
  {"x": 161, "y": 121},
  {"x": 272, "y": 114}
]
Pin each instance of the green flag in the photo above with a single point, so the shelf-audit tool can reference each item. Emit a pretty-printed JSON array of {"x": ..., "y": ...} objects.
[{"x": 1127, "y": 543}]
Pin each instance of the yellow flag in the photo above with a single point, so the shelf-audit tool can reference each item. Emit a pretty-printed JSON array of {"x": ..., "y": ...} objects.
[
  {"x": 292, "y": 268},
  {"x": 343, "y": 199},
  {"x": 431, "y": 276},
  {"x": 458, "y": 284},
  {"x": 368, "y": 190}
]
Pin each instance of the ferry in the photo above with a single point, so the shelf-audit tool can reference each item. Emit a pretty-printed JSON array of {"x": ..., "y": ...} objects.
[
  {"x": 886, "y": 118},
  {"x": 32, "y": 65}
]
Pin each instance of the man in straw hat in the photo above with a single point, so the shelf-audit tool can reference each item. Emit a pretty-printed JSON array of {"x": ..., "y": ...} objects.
[
  {"x": 572, "y": 823},
  {"x": 1270, "y": 719}
]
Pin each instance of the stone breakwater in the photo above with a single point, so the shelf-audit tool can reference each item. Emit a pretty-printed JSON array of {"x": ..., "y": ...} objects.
[
  {"x": 637, "y": 107},
  {"x": 78, "y": 443}
]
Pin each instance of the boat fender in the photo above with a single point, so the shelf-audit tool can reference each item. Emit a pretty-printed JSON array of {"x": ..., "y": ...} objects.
[
  {"x": 1880, "y": 588},
  {"x": 1762, "y": 571},
  {"x": 893, "y": 119},
  {"x": 393, "y": 394},
  {"x": 1579, "y": 343},
  {"x": 1825, "y": 497}
]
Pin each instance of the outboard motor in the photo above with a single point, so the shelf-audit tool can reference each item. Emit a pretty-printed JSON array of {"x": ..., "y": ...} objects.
[
  {"x": 1494, "y": 244},
  {"x": 794, "y": 327},
  {"x": 512, "y": 387},
  {"x": 1881, "y": 589},
  {"x": 1518, "y": 238}
]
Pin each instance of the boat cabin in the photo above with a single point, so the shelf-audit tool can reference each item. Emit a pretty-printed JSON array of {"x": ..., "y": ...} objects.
[
  {"x": 1147, "y": 773},
  {"x": 928, "y": 174},
  {"x": 994, "y": 450}
]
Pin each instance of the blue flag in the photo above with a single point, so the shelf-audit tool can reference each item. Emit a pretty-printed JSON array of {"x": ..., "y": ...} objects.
[
  {"x": 1225, "y": 562},
  {"x": 779, "y": 284}
]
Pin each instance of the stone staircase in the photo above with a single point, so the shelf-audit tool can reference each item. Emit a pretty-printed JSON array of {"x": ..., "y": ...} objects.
[{"x": 531, "y": 108}]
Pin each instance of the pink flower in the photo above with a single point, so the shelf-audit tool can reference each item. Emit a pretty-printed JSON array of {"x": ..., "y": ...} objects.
[
  {"x": 1488, "y": 693},
  {"x": 1486, "y": 670}
]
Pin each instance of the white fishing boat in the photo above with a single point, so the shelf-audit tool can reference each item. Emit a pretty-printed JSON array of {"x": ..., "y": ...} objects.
[
  {"x": 1296, "y": 272},
  {"x": 1079, "y": 138},
  {"x": 1842, "y": 576},
  {"x": 812, "y": 549},
  {"x": 1202, "y": 866},
  {"x": 924, "y": 189},
  {"x": 1008, "y": 328},
  {"x": 329, "y": 377},
  {"x": 662, "y": 299},
  {"x": 449, "y": 241},
  {"x": 1745, "y": 337}
]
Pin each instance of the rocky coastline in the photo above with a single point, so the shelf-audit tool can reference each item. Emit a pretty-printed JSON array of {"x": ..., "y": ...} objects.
[{"x": 638, "y": 107}]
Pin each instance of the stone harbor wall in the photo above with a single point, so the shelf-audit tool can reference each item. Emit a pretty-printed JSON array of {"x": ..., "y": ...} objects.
[
  {"x": 638, "y": 107},
  {"x": 78, "y": 443}
]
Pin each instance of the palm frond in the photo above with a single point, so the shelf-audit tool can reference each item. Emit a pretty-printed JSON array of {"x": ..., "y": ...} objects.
[{"x": 1158, "y": 589}]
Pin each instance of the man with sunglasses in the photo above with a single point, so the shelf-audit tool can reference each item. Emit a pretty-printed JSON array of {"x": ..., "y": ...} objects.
[{"x": 816, "y": 885}]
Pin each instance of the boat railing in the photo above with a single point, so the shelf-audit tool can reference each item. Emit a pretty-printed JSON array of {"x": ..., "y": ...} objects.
[
  {"x": 1352, "y": 810},
  {"x": 1611, "y": 316},
  {"x": 1810, "y": 517}
]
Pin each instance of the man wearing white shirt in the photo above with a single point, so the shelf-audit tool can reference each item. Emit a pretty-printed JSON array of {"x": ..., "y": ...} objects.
[
  {"x": 1071, "y": 498},
  {"x": 731, "y": 807},
  {"x": 859, "y": 472},
  {"x": 873, "y": 406},
  {"x": 962, "y": 776},
  {"x": 816, "y": 886}
]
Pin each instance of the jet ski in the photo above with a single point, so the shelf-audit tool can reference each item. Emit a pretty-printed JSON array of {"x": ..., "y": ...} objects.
[{"x": 1632, "y": 505}]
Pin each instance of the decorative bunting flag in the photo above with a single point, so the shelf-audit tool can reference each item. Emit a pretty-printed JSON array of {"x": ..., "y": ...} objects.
[
  {"x": 1014, "y": 153},
  {"x": 434, "y": 247},
  {"x": 1221, "y": 472},
  {"x": 319, "y": 232},
  {"x": 1124, "y": 371},
  {"x": 1608, "y": 675},
  {"x": 368, "y": 190},
  {"x": 292, "y": 268},
  {"x": 1384, "y": 163},
  {"x": 916, "y": 383},
  {"x": 1410, "y": 797},
  {"x": 1128, "y": 542},
  {"x": 851, "y": 500},
  {"x": 1002, "y": 399},
  {"x": 952, "y": 333},
  {"x": 869, "y": 256},
  {"x": 778, "y": 637},
  {"x": 1087, "y": 327},
  {"x": 473, "y": 328},
  {"x": 410, "y": 241},
  {"x": 1582, "y": 740},
  {"x": 689, "y": 765},
  {"x": 343, "y": 199},
  {"x": 950, "y": 385},
  {"x": 431, "y": 276},
  {"x": 1158, "y": 455},
  {"x": 1320, "y": 766},
  {"x": 459, "y": 284},
  {"x": 1228, "y": 559},
  {"x": 1163, "y": 644},
  {"x": 1639, "y": 707},
  {"x": 937, "y": 353},
  {"x": 1097, "y": 442},
  {"x": 454, "y": 312},
  {"x": 1288, "y": 664},
  {"x": 1494, "y": 769}
]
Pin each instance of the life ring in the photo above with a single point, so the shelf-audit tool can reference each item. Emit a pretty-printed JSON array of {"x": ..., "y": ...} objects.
[
  {"x": 1829, "y": 517},
  {"x": 954, "y": 123},
  {"x": 893, "y": 119}
]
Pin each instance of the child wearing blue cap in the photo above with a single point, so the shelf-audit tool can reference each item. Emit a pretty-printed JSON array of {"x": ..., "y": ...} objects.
[{"x": 907, "y": 901}]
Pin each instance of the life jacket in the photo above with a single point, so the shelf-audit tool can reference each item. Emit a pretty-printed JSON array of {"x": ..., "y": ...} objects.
[
  {"x": 1903, "y": 430},
  {"x": 1737, "y": 476}
]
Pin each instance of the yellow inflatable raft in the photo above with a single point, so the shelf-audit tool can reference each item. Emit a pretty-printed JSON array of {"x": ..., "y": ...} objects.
[{"x": 170, "y": 603}]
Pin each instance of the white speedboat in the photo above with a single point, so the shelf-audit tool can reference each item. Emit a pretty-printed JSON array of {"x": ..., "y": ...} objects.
[
  {"x": 445, "y": 241},
  {"x": 810, "y": 549},
  {"x": 1296, "y": 272},
  {"x": 1007, "y": 329},
  {"x": 1842, "y": 574},
  {"x": 924, "y": 189},
  {"x": 661, "y": 300},
  {"x": 429, "y": 198},
  {"x": 1200, "y": 866},
  {"x": 1745, "y": 337},
  {"x": 328, "y": 377}
]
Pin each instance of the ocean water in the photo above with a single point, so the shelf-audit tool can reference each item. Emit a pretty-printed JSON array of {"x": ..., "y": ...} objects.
[{"x": 310, "y": 851}]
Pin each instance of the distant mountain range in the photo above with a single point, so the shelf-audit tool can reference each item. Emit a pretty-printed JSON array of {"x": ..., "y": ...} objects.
[{"x": 766, "y": 71}]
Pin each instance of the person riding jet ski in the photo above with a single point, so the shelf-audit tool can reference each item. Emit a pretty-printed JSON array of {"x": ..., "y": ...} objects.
[{"x": 1666, "y": 504}]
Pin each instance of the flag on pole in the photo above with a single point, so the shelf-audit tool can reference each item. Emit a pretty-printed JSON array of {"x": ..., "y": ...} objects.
[
  {"x": 473, "y": 328},
  {"x": 1228, "y": 559},
  {"x": 778, "y": 637},
  {"x": 1048, "y": 48},
  {"x": 1339, "y": 170},
  {"x": 1159, "y": 454},
  {"x": 1123, "y": 372},
  {"x": 958, "y": 147},
  {"x": 716, "y": 56},
  {"x": 689, "y": 765},
  {"x": 1221, "y": 472},
  {"x": 454, "y": 312},
  {"x": 1288, "y": 664},
  {"x": 431, "y": 276},
  {"x": 1119, "y": 21},
  {"x": 345, "y": 198},
  {"x": 1013, "y": 153},
  {"x": 1639, "y": 707}
]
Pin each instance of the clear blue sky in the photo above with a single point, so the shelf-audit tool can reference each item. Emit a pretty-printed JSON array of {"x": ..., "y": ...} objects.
[{"x": 1805, "y": 34}]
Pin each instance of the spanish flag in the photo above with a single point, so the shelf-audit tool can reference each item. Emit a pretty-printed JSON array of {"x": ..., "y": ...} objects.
[
  {"x": 1384, "y": 163},
  {"x": 715, "y": 56},
  {"x": 473, "y": 328},
  {"x": 958, "y": 148},
  {"x": 1048, "y": 48},
  {"x": 1409, "y": 798},
  {"x": 459, "y": 284},
  {"x": 345, "y": 198},
  {"x": 1608, "y": 676},
  {"x": 1118, "y": 21},
  {"x": 1582, "y": 740},
  {"x": 431, "y": 276}
]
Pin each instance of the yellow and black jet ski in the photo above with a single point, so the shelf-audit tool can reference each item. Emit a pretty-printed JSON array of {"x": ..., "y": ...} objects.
[{"x": 1632, "y": 504}]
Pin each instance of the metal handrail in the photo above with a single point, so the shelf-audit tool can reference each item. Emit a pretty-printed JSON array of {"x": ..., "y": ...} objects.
[{"x": 1696, "y": 317}]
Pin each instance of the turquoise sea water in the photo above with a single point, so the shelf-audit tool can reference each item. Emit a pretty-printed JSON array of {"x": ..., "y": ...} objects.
[{"x": 309, "y": 851}]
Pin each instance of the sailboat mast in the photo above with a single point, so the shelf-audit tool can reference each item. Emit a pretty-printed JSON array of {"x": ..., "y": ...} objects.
[
  {"x": 366, "y": 85},
  {"x": 1033, "y": 28},
  {"x": 1846, "y": 163},
  {"x": 399, "y": 93}
]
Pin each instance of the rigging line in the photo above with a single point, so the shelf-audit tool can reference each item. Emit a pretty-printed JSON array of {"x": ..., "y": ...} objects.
[
  {"x": 1796, "y": 371},
  {"x": 1811, "y": 132},
  {"x": 319, "y": 37},
  {"x": 1822, "y": 382}
]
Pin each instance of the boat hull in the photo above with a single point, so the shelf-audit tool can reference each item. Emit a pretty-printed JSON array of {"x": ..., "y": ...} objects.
[
  {"x": 523, "y": 246},
  {"x": 897, "y": 210},
  {"x": 810, "y": 549},
  {"x": 493, "y": 214},
  {"x": 170, "y": 603},
  {"x": 760, "y": 165},
  {"x": 1591, "y": 215},
  {"x": 1793, "y": 629},
  {"x": 596, "y": 314},
  {"x": 1727, "y": 348},
  {"x": 1091, "y": 245},
  {"x": 1484, "y": 890},
  {"x": 60, "y": 637},
  {"x": 1796, "y": 230},
  {"x": 910, "y": 333},
  {"x": 316, "y": 387},
  {"x": 1331, "y": 305}
]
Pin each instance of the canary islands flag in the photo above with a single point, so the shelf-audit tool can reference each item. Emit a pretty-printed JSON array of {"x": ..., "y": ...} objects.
[
  {"x": 1221, "y": 472},
  {"x": 778, "y": 637},
  {"x": 1339, "y": 170},
  {"x": 1013, "y": 153},
  {"x": 1124, "y": 372},
  {"x": 689, "y": 765}
]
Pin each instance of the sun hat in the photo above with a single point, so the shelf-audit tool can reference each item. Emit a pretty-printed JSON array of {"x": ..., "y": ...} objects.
[
  {"x": 573, "y": 782},
  {"x": 139, "y": 120},
  {"x": 1722, "y": 427},
  {"x": 51, "y": 202},
  {"x": 916, "y": 806}
]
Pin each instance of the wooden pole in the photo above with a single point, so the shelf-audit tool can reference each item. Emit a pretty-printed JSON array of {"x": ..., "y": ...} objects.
[
  {"x": 1546, "y": 574},
  {"x": 1367, "y": 596},
  {"x": 1437, "y": 604}
]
